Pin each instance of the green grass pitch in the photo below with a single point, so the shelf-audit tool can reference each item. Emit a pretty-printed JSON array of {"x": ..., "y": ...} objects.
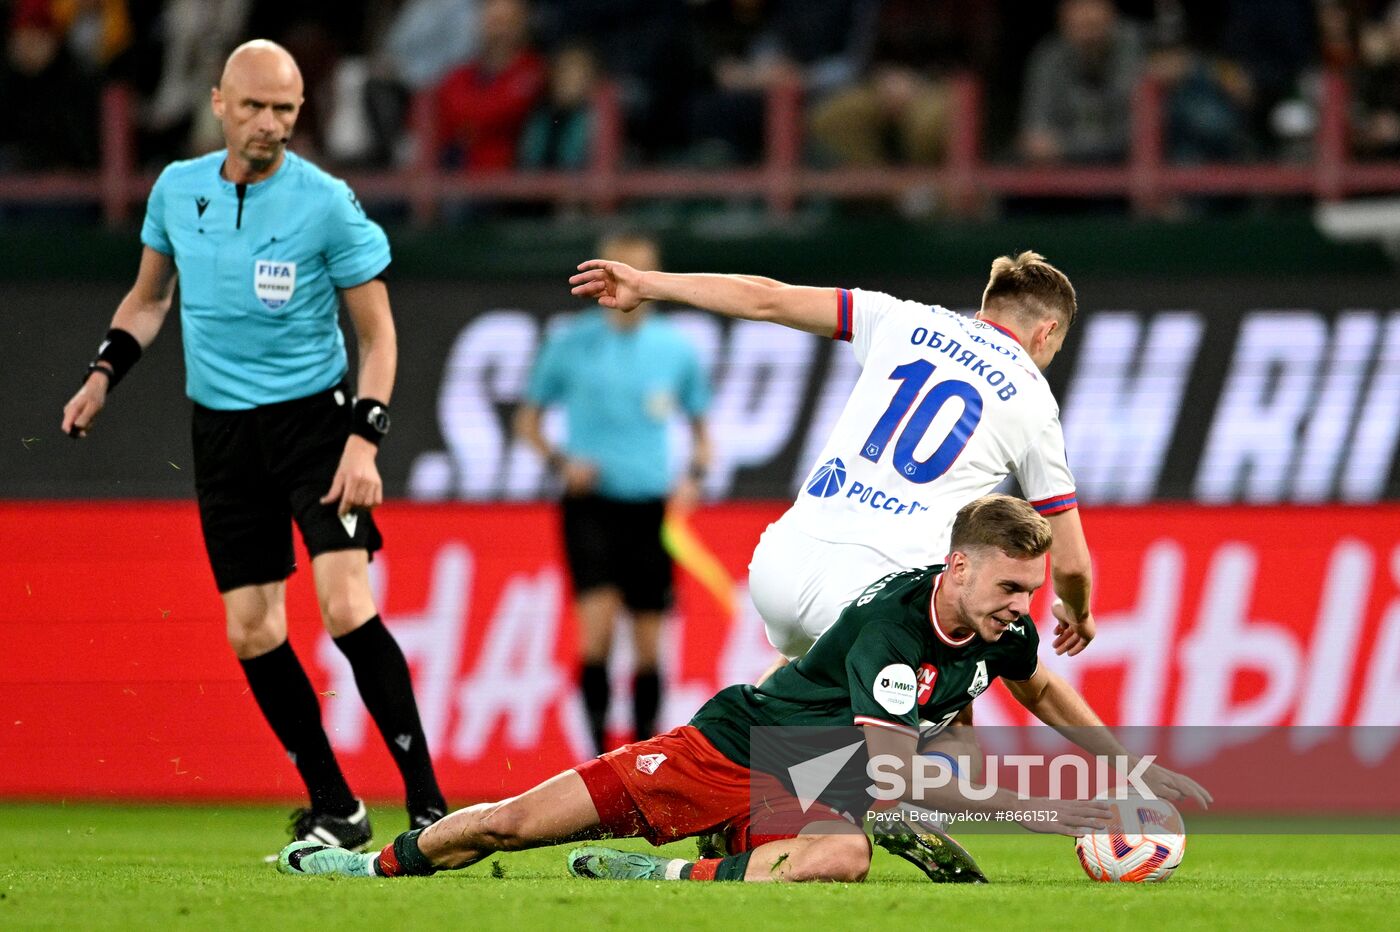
[{"x": 81, "y": 866}]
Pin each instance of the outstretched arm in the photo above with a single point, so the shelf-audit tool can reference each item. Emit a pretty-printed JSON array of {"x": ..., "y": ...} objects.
[
  {"x": 619, "y": 286},
  {"x": 891, "y": 767},
  {"x": 141, "y": 314},
  {"x": 1050, "y": 698}
]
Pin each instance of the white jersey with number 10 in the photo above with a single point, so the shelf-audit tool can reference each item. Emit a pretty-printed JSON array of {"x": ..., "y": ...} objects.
[{"x": 944, "y": 409}]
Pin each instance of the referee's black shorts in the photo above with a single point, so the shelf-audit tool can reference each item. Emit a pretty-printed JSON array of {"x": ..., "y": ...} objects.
[
  {"x": 256, "y": 471},
  {"x": 614, "y": 542}
]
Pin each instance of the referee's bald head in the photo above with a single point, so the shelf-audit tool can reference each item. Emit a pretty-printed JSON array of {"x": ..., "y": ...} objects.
[{"x": 264, "y": 58}]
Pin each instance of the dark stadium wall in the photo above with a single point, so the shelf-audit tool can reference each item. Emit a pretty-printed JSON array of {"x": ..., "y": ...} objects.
[
  {"x": 1252, "y": 389},
  {"x": 812, "y": 246}
]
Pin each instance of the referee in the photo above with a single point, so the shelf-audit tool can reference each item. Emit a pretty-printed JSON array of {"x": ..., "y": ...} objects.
[
  {"x": 262, "y": 242},
  {"x": 621, "y": 379}
]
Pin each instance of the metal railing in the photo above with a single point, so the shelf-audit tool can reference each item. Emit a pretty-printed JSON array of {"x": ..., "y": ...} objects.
[{"x": 964, "y": 181}]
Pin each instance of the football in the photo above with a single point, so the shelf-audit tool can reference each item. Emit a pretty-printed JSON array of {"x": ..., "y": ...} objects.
[{"x": 1144, "y": 843}]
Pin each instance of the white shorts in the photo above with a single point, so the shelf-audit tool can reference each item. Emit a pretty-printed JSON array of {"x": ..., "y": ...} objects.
[{"x": 799, "y": 584}]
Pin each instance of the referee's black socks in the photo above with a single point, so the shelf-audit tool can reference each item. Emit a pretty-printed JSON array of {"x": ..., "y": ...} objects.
[
  {"x": 646, "y": 700},
  {"x": 381, "y": 673},
  {"x": 593, "y": 683},
  {"x": 288, "y": 702}
]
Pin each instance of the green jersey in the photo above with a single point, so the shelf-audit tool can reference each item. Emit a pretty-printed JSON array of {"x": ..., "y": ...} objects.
[{"x": 885, "y": 662}]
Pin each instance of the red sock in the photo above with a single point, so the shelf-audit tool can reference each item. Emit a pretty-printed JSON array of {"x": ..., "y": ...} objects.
[
  {"x": 704, "y": 869},
  {"x": 388, "y": 864}
]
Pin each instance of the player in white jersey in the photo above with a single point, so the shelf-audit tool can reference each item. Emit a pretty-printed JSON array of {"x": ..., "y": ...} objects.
[{"x": 946, "y": 407}]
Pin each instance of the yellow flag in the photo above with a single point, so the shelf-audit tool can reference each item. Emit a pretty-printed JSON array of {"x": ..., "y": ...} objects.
[{"x": 691, "y": 555}]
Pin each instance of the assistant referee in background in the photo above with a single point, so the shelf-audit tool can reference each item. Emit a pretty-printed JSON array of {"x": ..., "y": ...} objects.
[
  {"x": 263, "y": 243},
  {"x": 620, "y": 380}
]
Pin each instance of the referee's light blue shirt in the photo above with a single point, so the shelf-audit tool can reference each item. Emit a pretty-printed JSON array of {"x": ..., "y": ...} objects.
[
  {"x": 258, "y": 279},
  {"x": 619, "y": 390}
]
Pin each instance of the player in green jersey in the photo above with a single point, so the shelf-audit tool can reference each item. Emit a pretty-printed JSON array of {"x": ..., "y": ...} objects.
[{"x": 919, "y": 643}]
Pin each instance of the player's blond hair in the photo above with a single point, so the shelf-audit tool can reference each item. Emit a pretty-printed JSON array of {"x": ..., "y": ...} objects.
[
  {"x": 1002, "y": 522},
  {"x": 1031, "y": 288}
]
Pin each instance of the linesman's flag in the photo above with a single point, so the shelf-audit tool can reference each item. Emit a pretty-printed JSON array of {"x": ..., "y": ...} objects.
[{"x": 692, "y": 555}]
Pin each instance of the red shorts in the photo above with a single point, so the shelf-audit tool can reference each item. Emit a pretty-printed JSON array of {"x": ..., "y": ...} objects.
[{"x": 678, "y": 785}]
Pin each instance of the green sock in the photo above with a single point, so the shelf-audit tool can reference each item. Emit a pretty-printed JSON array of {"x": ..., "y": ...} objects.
[
  {"x": 412, "y": 861},
  {"x": 733, "y": 867}
]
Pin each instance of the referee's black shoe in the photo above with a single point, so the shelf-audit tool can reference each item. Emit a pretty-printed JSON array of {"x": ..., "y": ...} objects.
[{"x": 351, "y": 832}]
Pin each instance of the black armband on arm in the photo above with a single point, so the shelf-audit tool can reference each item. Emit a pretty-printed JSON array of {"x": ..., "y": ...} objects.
[
  {"x": 370, "y": 419},
  {"x": 120, "y": 351}
]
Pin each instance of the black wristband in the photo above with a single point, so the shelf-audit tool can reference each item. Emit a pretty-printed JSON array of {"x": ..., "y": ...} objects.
[
  {"x": 370, "y": 419},
  {"x": 120, "y": 350},
  {"x": 697, "y": 472},
  {"x": 555, "y": 460}
]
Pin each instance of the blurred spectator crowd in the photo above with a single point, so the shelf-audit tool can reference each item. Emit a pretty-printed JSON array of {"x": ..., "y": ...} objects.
[{"x": 512, "y": 83}]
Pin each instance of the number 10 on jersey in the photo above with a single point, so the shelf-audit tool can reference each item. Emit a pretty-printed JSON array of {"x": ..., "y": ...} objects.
[{"x": 913, "y": 376}]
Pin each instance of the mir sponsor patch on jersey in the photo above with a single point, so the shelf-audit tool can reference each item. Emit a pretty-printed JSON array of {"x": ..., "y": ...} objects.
[{"x": 895, "y": 688}]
